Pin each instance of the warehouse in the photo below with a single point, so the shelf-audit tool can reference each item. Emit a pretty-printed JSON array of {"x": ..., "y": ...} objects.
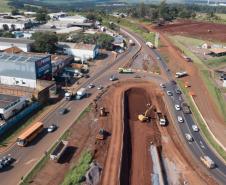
[
  {"x": 24, "y": 69},
  {"x": 10, "y": 105},
  {"x": 15, "y": 24}
]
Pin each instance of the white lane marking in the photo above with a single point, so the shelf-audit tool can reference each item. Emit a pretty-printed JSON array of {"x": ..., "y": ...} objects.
[{"x": 30, "y": 161}]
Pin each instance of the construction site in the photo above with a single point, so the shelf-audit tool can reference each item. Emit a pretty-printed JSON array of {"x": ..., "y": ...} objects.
[{"x": 124, "y": 134}]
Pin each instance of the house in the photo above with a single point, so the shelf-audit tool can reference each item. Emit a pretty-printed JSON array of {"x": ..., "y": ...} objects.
[
  {"x": 217, "y": 52},
  {"x": 15, "y": 24},
  {"x": 80, "y": 50},
  {"x": 119, "y": 41},
  {"x": 206, "y": 46},
  {"x": 23, "y": 44}
]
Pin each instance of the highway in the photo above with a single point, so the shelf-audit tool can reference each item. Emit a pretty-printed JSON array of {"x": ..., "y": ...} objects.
[{"x": 27, "y": 157}]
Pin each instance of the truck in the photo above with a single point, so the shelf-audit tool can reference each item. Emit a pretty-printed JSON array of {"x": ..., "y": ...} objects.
[
  {"x": 131, "y": 42},
  {"x": 161, "y": 119},
  {"x": 80, "y": 93},
  {"x": 59, "y": 150},
  {"x": 185, "y": 108},
  {"x": 125, "y": 70},
  {"x": 207, "y": 161},
  {"x": 181, "y": 74},
  {"x": 150, "y": 45}
]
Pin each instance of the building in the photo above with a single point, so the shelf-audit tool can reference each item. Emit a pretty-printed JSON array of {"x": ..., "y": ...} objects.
[
  {"x": 119, "y": 41},
  {"x": 80, "y": 50},
  {"x": 73, "y": 19},
  {"x": 23, "y": 44},
  {"x": 224, "y": 82},
  {"x": 10, "y": 105},
  {"x": 15, "y": 24},
  {"x": 69, "y": 30},
  {"x": 24, "y": 69},
  {"x": 57, "y": 15},
  {"x": 205, "y": 46},
  {"x": 217, "y": 52}
]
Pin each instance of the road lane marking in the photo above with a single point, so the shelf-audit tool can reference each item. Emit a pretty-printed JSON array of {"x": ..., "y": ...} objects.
[{"x": 30, "y": 161}]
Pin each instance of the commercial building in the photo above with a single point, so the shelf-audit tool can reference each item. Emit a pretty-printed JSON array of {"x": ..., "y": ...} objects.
[
  {"x": 73, "y": 19},
  {"x": 217, "y": 52},
  {"x": 10, "y": 105},
  {"x": 79, "y": 50},
  {"x": 24, "y": 69},
  {"x": 23, "y": 44},
  {"x": 15, "y": 24}
]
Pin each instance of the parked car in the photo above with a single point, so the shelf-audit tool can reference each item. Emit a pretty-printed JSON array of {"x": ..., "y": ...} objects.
[
  {"x": 51, "y": 128},
  {"x": 169, "y": 93},
  {"x": 90, "y": 86},
  {"x": 195, "y": 128},
  {"x": 162, "y": 85},
  {"x": 5, "y": 161},
  {"x": 178, "y": 91},
  {"x": 113, "y": 78},
  {"x": 63, "y": 111},
  {"x": 100, "y": 87},
  {"x": 180, "y": 119},
  {"x": 177, "y": 107},
  {"x": 189, "y": 137}
]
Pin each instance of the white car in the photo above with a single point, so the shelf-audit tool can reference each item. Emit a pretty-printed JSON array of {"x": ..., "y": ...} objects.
[
  {"x": 189, "y": 137},
  {"x": 162, "y": 85},
  {"x": 51, "y": 128},
  {"x": 113, "y": 78},
  {"x": 90, "y": 86},
  {"x": 195, "y": 128},
  {"x": 100, "y": 87},
  {"x": 177, "y": 107},
  {"x": 169, "y": 93},
  {"x": 180, "y": 119}
]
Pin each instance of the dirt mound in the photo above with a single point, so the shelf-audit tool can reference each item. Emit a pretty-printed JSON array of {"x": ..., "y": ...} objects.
[{"x": 203, "y": 30}]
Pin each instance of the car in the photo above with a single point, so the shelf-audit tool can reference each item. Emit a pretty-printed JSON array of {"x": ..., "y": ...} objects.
[
  {"x": 180, "y": 119},
  {"x": 169, "y": 93},
  {"x": 63, "y": 111},
  {"x": 177, "y": 107},
  {"x": 158, "y": 58},
  {"x": 195, "y": 128},
  {"x": 162, "y": 85},
  {"x": 113, "y": 78},
  {"x": 137, "y": 76},
  {"x": 178, "y": 91},
  {"x": 173, "y": 82},
  {"x": 51, "y": 128},
  {"x": 90, "y": 86},
  {"x": 5, "y": 161},
  {"x": 100, "y": 87},
  {"x": 86, "y": 76},
  {"x": 189, "y": 137}
]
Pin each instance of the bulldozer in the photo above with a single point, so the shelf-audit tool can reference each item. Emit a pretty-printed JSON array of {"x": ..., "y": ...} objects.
[
  {"x": 101, "y": 134},
  {"x": 146, "y": 116}
]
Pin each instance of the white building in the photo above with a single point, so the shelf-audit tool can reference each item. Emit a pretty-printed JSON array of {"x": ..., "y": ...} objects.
[
  {"x": 57, "y": 15},
  {"x": 69, "y": 30},
  {"x": 23, "y": 44},
  {"x": 17, "y": 24},
  {"x": 73, "y": 19},
  {"x": 80, "y": 50}
]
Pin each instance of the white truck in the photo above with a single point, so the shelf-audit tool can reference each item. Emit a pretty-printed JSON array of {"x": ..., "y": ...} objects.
[
  {"x": 181, "y": 74},
  {"x": 150, "y": 45},
  {"x": 59, "y": 150},
  {"x": 131, "y": 42},
  {"x": 161, "y": 119},
  {"x": 80, "y": 93},
  {"x": 68, "y": 95},
  {"x": 207, "y": 161}
]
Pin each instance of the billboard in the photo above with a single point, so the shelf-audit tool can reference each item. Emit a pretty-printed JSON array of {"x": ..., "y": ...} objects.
[{"x": 43, "y": 66}]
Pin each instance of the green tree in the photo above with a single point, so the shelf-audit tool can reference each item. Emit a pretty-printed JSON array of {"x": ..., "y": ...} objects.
[
  {"x": 105, "y": 41},
  {"x": 164, "y": 11},
  {"x": 7, "y": 34},
  {"x": 15, "y": 11},
  {"x": 184, "y": 13},
  {"x": 45, "y": 42},
  {"x": 42, "y": 15},
  {"x": 5, "y": 27}
]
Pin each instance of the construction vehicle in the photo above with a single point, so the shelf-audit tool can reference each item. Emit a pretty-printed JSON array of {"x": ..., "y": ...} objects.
[
  {"x": 207, "y": 161},
  {"x": 146, "y": 116},
  {"x": 161, "y": 118},
  {"x": 80, "y": 93},
  {"x": 68, "y": 95},
  {"x": 124, "y": 70},
  {"x": 186, "y": 85},
  {"x": 185, "y": 108},
  {"x": 59, "y": 150},
  {"x": 150, "y": 45},
  {"x": 181, "y": 74},
  {"x": 101, "y": 134},
  {"x": 102, "y": 111}
]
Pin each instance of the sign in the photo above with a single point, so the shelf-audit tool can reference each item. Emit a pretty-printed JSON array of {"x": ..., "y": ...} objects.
[{"x": 43, "y": 66}]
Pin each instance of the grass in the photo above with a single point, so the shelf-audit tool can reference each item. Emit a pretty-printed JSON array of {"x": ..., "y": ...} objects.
[
  {"x": 216, "y": 62},
  {"x": 4, "y": 7},
  {"x": 12, "y": 133},
  {"x": 202, "y": 125},
  {"x": 219, "y": 18},
  {"x": 76, "y": 174},
  {"x": 39, "y": 166}
]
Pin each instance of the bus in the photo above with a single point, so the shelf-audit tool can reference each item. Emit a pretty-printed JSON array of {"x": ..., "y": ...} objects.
[{"x": 30, "y": 134}]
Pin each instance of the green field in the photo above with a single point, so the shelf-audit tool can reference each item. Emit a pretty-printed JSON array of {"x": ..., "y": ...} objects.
[
  {"x": 4, "y": 7},
  {"x": 220, "y": 18}
]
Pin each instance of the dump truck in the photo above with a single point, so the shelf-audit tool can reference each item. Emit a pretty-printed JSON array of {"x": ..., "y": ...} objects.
[
  {"x": 181, "y": 74},
  {"x": 207, "y": 161},
  {"x": 161, "y": 119},
  {"x": 80, "y": 93},
  {"x": 59, "y": 150},
  {"x": 185, "y": 108},
  {"x": 125, "y": 70},
  {"x": 101, "y": 134}
]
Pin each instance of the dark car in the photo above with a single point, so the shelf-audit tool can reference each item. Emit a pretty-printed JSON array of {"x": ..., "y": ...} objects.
[
  {"x": 173, "y": 82},
  {"x": 178, "y": 91},
  {"x": 63, "y": 111}
]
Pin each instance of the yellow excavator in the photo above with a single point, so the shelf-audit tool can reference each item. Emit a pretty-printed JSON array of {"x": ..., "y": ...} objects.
[{"x": 145, "y": 117}]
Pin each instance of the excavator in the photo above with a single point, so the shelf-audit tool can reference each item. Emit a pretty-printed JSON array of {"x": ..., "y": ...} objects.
[
  {"x": 101, "y": 134},
  {"x": 145, "y": 117}
]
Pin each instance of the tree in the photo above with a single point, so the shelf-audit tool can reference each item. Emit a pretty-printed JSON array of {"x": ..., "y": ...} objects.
[
  {"x": 15, "y": 12},
  {"x": 105, "y": 41},
  {"x": 13, "y": 27},
  {"x": 91, "y": 16},
  {"x": 164, "y": 11},
  {"x": 184, "y": 13},
  {"x": 7, "y": 34},
  {"x": 42, "y": 15},
  {"x": 45, "y": 42},
  {"x": 5, "y": 27}
]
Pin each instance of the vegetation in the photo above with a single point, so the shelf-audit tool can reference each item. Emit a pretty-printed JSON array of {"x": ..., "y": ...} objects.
[
  {"x": 4, "y": 7},
  {"x": 77, "y": 173},
  {"x": 42, "y": 15},
  {"x": 45, "y": 42},
  {"x": 6, "y": 34}
]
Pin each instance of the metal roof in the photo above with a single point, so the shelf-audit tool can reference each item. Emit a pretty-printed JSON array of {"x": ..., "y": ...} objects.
[
  {"x": 5, "y": 100},
  {"x": 16, "y": 41},
  {"x": 20, "y": 58}
]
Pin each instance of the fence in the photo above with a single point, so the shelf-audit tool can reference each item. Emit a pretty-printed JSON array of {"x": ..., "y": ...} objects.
[{"x": 16, "y": 120}]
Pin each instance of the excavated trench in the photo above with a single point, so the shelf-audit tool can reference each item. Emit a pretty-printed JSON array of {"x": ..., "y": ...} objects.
[{"x": 135, "y": 102}]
